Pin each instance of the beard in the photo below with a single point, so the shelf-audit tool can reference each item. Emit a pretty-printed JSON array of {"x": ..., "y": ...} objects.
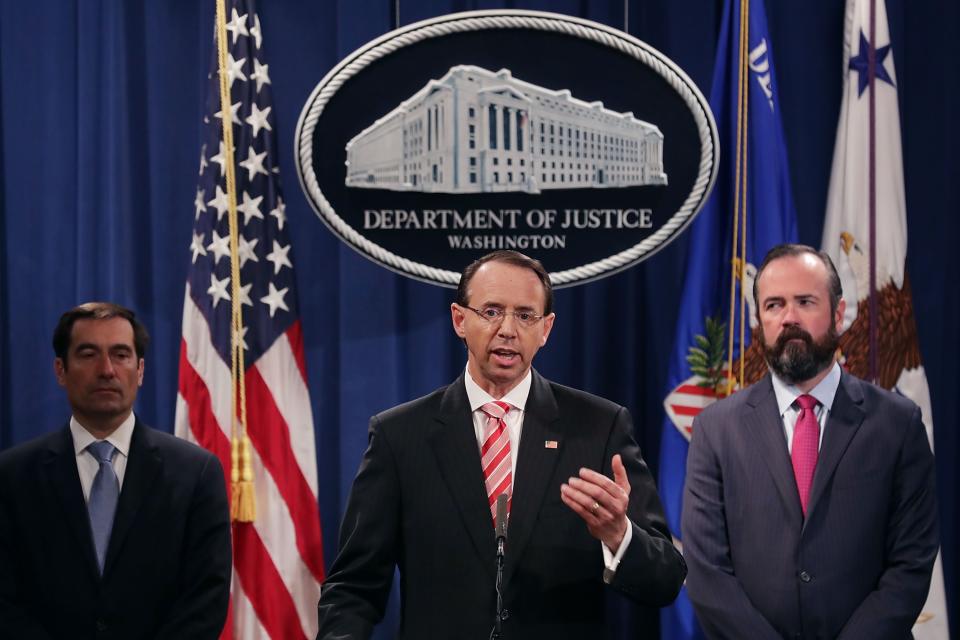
[{"x": 795, "y": 362}]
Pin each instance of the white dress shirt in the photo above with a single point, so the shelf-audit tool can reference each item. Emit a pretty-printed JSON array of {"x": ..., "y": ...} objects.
[
  {"x": 87, "y": 464},
  {"x": 787, "y": 394},
  {"x": 517, "y": 399}
]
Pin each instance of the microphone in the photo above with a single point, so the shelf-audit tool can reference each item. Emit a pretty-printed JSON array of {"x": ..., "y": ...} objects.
[{"x": 501, "y": 521}]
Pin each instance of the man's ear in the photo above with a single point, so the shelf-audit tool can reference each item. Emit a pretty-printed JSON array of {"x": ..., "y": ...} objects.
[
  {"x": 457, "y": 317},
  {"x": 60, "y": 370},
  {"x": 547, "y": 328},
  {"x": 140, "y": 373},
  {"x": 838, "y": 316}
]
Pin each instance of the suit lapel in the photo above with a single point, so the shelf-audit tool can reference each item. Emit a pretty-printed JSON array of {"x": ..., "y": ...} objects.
[
  {"x": 454, "y": 445},
  {"x": 535, "y": 465},
  {"x": 143, "y": 464},
  {"x": 765, "y": 427},
  {"x": 60, "y": 468},
  {"x": 844, "y": 420}
]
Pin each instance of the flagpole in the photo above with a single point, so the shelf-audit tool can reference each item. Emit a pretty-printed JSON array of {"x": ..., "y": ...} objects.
[
  {"x": 242, "y": 504},
  {"x": 738, "y": 262},
  {"x": 744, "y": 200},
  {"x": 872, "y": 186}
]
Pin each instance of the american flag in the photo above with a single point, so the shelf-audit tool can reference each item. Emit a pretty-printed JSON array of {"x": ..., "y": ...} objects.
[{"x": 278, "y": 558}]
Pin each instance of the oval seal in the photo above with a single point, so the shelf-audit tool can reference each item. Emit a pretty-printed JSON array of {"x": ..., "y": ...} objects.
[{"x": 562, "y": 138}]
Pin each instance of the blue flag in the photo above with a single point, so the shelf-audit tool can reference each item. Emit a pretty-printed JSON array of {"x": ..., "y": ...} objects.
[{"x": 763, "y": 207}]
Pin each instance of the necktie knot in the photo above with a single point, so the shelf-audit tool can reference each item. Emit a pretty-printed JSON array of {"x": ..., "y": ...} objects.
[
  {"x": 102, "y": 451},
  {"x": 496, "y": 409},
  {"x": 807, "y": 402}
]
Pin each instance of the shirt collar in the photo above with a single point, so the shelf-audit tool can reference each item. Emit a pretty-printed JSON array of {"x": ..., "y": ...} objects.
[
  {"x": 824, "y": 392},
  {"x": 516, "y": 397},
  {"x": 120, "y": 438}
]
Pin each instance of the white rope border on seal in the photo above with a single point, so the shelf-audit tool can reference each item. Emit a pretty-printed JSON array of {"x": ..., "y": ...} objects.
[{"x": 480, "y": 20}]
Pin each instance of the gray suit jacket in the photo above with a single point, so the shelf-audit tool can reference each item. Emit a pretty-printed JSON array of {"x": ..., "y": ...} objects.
[{"x": 859, "y": 566}]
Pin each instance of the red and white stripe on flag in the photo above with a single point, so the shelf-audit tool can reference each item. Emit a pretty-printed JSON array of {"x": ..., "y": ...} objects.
[
  {"x": 278, "y": 559},
  {"x": 686, "y": 401}
]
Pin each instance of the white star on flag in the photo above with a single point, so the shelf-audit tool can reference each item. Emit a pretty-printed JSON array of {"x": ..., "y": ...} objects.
[
  {"x": 218, "y": 289},
  {"x": 234, "y": 117},
  {"x": 254, "y": 163},
  {"x": 219, "y": 246},
  {"x": 198, "y": 203},
  {"x": 235, "y": 69},
  {"x": 220, "y": 202},
  {"x": 203, "y": 159},
  {"x": 245, "y": 297},
  {"x": 260, "y": 74},
  {"x": 258, "y": 119},
  {"x": 237, "y": 26},
  {"x": 241, "y": 337},
  {"x": 279, "y": 257},
  {"x": 196, "y": 246},
  {"x": 274, "y": 299},
  {"x": 245, "y": 251},
  {"x": 256, "y": 33},
  {"x": 280, "y": 213},
  {"x": 250, "y": 207},
  {"x": 221, "y": 159}
]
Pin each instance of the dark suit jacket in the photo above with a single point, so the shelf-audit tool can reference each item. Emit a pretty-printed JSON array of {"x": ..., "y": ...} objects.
[
  {"x": 858, "y": 567},
  {"x": 419, "y": 503},
  {"x": 167, "y": 570}
]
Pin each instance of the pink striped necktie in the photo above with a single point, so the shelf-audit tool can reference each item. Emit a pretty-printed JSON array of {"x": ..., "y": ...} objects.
[
  {"x": 806, "y": 445},
  {"x": 495, "y": 455}
]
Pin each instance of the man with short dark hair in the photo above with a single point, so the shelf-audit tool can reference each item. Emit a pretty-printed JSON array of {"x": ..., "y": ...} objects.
[
  {"x": 809, "y": 507},
  {"x": 108, "y": 528},
  {"x": 583, "y": 508}
]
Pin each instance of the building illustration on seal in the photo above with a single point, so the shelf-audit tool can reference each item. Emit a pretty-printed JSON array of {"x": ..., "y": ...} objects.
[{"x": 478, "y": 131}]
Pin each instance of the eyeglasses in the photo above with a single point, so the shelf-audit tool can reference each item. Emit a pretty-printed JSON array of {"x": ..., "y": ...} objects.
[{"x": 495, "y": 315}]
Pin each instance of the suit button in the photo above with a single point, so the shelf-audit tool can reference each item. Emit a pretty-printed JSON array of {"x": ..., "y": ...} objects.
[
  {"x": 505, "y": 614},
  {"x": 101, "y": 626},
  {"x": 805, "y": 577}
]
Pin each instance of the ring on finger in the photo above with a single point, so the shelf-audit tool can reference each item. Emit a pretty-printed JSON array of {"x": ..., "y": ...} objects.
[{"x": 595, "y": 507}]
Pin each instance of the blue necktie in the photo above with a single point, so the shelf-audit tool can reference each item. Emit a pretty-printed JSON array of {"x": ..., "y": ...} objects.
[{"x": 102, "y": 504}]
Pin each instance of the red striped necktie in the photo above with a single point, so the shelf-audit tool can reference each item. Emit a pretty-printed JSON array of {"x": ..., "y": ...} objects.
[
  {"x": 806, "y": 446},
  {"x": 495, "y": 455}
]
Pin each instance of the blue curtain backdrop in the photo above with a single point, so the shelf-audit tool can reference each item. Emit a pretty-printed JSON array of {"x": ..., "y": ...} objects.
[{"x": 100, "y": 120}]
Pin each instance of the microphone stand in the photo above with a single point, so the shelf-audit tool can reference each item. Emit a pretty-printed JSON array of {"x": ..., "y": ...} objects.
[{"x": 497, "y": 632}]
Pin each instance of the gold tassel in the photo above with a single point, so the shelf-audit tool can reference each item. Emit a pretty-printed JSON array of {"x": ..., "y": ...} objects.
[
  {"x": 234, "y": 477},
  {"x": 245, "y": 500}
]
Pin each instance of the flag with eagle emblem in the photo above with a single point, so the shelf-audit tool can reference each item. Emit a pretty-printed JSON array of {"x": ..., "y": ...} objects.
[
  {"x": 865, "y": 232},
  {"x": 752, "y": 197}
]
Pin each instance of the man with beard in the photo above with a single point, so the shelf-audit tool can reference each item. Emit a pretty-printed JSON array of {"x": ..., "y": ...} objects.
[{"x": 809, "y": 507}]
